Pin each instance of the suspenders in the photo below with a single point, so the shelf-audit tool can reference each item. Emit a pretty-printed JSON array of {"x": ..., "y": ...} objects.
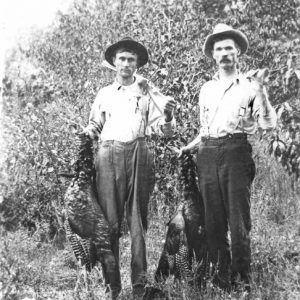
[{"x": 239, "y": 120}]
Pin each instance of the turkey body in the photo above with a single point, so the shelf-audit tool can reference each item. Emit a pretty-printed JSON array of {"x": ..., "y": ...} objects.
[
  {"x": 86, "y": 226},
  {"x": 185, "y": 239}
]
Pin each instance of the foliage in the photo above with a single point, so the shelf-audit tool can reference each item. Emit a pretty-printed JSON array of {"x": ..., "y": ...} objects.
[
  {"x": 48, "y": 273},
  {"x": 285, "y": 143},
  {"x": 31, "y": 269}
]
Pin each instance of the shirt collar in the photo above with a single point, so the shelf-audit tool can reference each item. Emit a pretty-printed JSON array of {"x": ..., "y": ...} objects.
[
  {"x": 118, "y": 86},
  {"x": 236, "y": 79}
]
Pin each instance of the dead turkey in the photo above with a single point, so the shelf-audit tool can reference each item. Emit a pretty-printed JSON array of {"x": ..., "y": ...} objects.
[
  {"x": 186, "y": 240},
  {"x": 85, "y": 224}
]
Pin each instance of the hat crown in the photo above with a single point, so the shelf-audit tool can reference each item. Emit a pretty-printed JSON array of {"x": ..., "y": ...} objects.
[
  {"x": 226, "y": 31},
  {"x": 221, "y": 28},
  {"x": 127, "y": 38},
  {"x": 127, "y": 43}
]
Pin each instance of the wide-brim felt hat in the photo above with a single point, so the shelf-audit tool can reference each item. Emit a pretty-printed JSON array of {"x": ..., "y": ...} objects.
[
  {"x": 130, "y": 44},
  {"x": 223, "y": 30}
]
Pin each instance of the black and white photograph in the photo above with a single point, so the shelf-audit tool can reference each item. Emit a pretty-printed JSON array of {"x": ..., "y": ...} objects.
[{"x": 150, "y": 149}]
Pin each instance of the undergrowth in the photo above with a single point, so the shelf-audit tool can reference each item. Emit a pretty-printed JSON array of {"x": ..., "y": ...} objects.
[{"x": 32, "y": 268}]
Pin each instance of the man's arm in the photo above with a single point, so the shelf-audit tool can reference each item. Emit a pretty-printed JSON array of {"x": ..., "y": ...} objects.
[
  {"x": 263, "y": 111},
  {"x": 160, "y": 110},
  {"x": 96, "y": 119},
  {"x": 194, "y": 145},
  {"x": 161, "y": 117}
]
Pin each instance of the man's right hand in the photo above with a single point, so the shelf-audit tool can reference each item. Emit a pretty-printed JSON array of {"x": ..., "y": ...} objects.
[
  {"x": 183, "y": 150},
  {"x": 88, "y": 132}
]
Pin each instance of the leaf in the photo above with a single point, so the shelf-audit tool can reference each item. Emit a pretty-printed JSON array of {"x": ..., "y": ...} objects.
[{"x": 164, "y": 71}]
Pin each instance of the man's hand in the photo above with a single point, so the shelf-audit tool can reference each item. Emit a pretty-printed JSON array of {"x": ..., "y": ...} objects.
[
  {"x": 88, "y": 132},
  {"x": 84, "y": 132},
  {"x": 192, "y": 147},
  {"x": 177, "y": 151},
  {"x": 184, "y": 150},
  {"x": 168, "y": 108},
  {"x": 143, "y": 85},
  {"x": 259, "y": 79},
  {"x": 170, "y": 103},
  {"x": 260, "y": 76}
]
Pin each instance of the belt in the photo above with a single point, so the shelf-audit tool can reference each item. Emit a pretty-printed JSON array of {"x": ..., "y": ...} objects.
[
  {"x": 228, "y": 136},
  {"x": 115, "y": 142}
]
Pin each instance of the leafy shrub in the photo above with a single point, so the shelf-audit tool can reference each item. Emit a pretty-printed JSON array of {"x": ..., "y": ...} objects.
[{"x": 51, "y": 83}]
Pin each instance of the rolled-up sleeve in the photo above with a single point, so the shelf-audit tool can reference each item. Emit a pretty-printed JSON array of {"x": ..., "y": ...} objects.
[
  {"x": 156, "y": 117},
  {"x": 96, "y": 118},
  {"x": 203, "y": 118},
  {"x": 263, "y": 111}
]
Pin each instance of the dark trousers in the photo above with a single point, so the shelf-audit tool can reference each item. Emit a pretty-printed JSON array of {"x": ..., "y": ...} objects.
[
  {"x": 226, "y": 171},
  {"x": 125, "y": 179}
]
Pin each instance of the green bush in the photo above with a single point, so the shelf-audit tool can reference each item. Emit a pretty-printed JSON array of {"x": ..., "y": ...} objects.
[{"x": 52, "y": 81}]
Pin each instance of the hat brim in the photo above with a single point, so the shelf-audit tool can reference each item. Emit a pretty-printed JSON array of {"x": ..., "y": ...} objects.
[
  {"x": 236, "y": 35},
  {"x": 136, "y": 47}
]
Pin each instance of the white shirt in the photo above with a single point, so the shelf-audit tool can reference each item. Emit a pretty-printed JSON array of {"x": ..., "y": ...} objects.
[
  {"x": 127, "y": 113},
  {"x": 233, "y": 107}
]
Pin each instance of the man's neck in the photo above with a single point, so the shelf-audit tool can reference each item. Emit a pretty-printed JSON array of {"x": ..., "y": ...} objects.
[
  {"x": 227, "y": 75},
  {"x": 125, "y": 80}
]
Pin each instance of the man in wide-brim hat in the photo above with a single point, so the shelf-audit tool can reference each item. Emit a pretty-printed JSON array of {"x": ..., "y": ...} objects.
[
  {"x": 122, "y": 115},
  {"x": 129, "y": 44},
  {"x": 232, "y": 106},
  {"x": 223, "y": 31}
]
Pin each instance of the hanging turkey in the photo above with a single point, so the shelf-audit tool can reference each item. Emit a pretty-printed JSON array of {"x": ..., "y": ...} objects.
[
  {"x": 186, "y": 240},
  {"x": 85, "y": 224}
]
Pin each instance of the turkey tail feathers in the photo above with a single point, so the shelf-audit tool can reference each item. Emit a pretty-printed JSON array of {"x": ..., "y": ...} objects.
[
  {"x": 85, "y": 221},
  {"x": 185, "y": 239}
]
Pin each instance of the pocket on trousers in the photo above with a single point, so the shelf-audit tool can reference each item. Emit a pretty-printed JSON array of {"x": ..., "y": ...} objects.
[
  {"x": 151, "y": 170},
  {"x": 250, "y": 167},
  {"x": 250, "y": 162},
  {"x": 252, "y": 170},
  {"x": 105, "y": 154},
  {"x": 143, "y": 155},
  {"x": 249, "y": 148}
]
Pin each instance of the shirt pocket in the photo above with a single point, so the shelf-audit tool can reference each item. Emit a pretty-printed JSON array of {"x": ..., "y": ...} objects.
[
  {"x": 247, "y": 118},
  {"x": 241, "y": 114}
]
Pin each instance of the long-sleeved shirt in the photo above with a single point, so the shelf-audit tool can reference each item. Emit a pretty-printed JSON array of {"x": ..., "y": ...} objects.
[
  {"x": 234, "y": 107},
  {"x": 124, "y": 113}
]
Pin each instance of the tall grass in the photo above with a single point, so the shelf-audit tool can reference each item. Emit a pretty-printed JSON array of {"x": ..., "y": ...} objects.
[{"x": 33, "y": 268}]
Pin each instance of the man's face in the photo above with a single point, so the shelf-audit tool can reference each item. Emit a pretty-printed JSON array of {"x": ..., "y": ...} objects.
[
  {"x": 126, "y": 63},
  {"x": 226, "y": 53}
]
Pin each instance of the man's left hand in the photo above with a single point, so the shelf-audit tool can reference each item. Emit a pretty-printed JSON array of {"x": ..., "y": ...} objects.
[
  {"x": 143, "y": 85},
  {"x": 168, "y": 108},
  {"x": 259, "y": 80},
  {"x": 260, "y": 76}
]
